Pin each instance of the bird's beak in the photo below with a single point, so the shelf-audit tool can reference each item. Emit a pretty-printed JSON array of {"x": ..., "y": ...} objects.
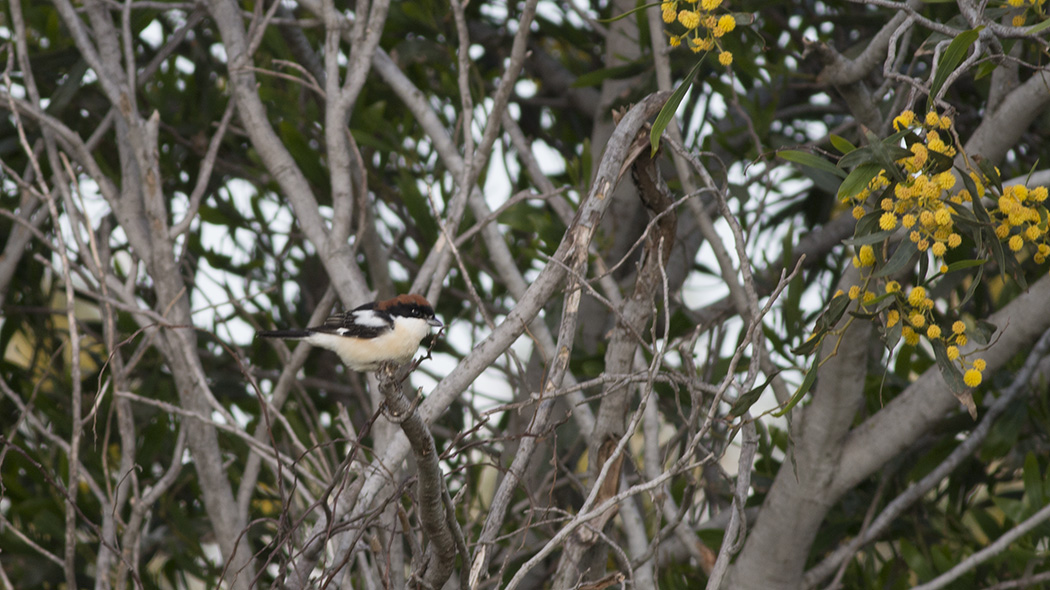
[{"x": 435, "y": 322}]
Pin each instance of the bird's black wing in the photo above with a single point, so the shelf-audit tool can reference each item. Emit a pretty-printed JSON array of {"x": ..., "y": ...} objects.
[{"x": 361, "y": 322}]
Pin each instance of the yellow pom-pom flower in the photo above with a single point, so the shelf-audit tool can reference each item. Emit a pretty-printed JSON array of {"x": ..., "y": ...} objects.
[
  {"x": 911, "y": 338},
  {"x": 972, "y": 378},
  {"x": 903, "y": 120},
  {"x": 866, "y": 255},
  {"x": 980, "y": 365},
  {"x": 953, "y": 353},
  {"x": 933, "y": 332},
  {"x": 689, "y": 19},
  {"x": 917, "y": 297},
  {"x": 1016, "y": 243},
  {"x": 888, "y": 221},
  {"x": 725, "y": 58},
  {"x": 668, "y": 12}
]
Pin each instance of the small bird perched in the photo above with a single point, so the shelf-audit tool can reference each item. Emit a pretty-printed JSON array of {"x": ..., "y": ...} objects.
[{"x": 372, "y": 334}]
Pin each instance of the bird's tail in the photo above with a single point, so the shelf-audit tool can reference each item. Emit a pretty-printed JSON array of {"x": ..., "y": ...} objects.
[{"x": 294, "y": 334}]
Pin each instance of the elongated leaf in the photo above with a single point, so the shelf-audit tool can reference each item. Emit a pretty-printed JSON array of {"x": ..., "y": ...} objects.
[
  {"x": 809, "y": 346},
  {"x": 899, "y": 261},
  {"x": 893, "y": 335},
  {"x": 974, "y": 283},
  {"x": 961, "y": 264},
  {"x": 836, "y": 308},
  {"x": 871, "y": 238},
  {"x": 841, "y": 143},
  {"x": 811, "y": 160},
  {"x": 1038, "y": 27},
  {"x": 856, "y": 158},
  {"x": 1033, "y": 482},
  {"x": 807, "y": 383},
  {"x": 982, "y": 332},
  {"x": 949, "y": 370},
  {"x": 744, "y": 402},
  {"x": 858, "y": 179},
  {"x": 988, "y": 169},
  {"x": 667, "y": 113},
  {"x": 978, "y": 207},
  {"x": 950, "y": 59}
]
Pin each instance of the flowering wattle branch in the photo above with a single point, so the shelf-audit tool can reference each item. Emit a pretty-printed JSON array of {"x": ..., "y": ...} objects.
[
  {"x": 907, "y": 183},
  {"x": 704, "y": 29}
]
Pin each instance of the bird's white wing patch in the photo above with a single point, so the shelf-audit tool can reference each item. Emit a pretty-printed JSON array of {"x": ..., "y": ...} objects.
[{"x": 370, "y": 319}]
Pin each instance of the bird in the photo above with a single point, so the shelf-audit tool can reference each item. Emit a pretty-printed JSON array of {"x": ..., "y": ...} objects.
[{"x": 368, "y": 336}]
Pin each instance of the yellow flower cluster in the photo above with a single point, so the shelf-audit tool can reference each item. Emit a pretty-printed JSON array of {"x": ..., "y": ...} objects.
[
  {"x": 915, "y": 318},
  {"x": 703, "y": 28},
  {"x": 926, "y": 203},
  {"x": 1020, "y": 16}
]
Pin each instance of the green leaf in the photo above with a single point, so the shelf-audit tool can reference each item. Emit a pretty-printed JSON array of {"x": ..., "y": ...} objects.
[
  {"x": 976, "y": 282},
  {"x": 961, "y": 264},
  {"x": 982, "y": 332},
  {"x": 978, "y": 206},
  {"x": 949, "y": 370},
  {"x": 744, "y": 402},
  {"x": 872, "y": 238},
  {"x": 856, "y": 158},
  {"x": 811, "y": 160},
  {"x": 985, "y": 69},
  {"x": 1038, "y": 27},
  {"x": 950, "y": 59},
  {"x": 858, "y": 179},
  {"x": 893, "y": 335},
  {"x": 667, "y": 113},
  {"x": 900, "y": 260},
  {"x": 841, "y": 143},
  {"x": 988, "y": 169},
  {"x": 810, "y": 345},
  {"x": 997, "y": 250},
  {"x": 868, "y": 224},
  {"x": 1033, "y": 482},
  {"x": 833, "y": 314},
  {"x": 807, "y": 383}
]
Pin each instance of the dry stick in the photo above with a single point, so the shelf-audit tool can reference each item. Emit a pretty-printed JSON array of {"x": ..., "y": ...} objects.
[
  {"x": 581, "y": 236},
  {"x": 441, "y": 548},
  {"x": 74, "y": 341}
]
